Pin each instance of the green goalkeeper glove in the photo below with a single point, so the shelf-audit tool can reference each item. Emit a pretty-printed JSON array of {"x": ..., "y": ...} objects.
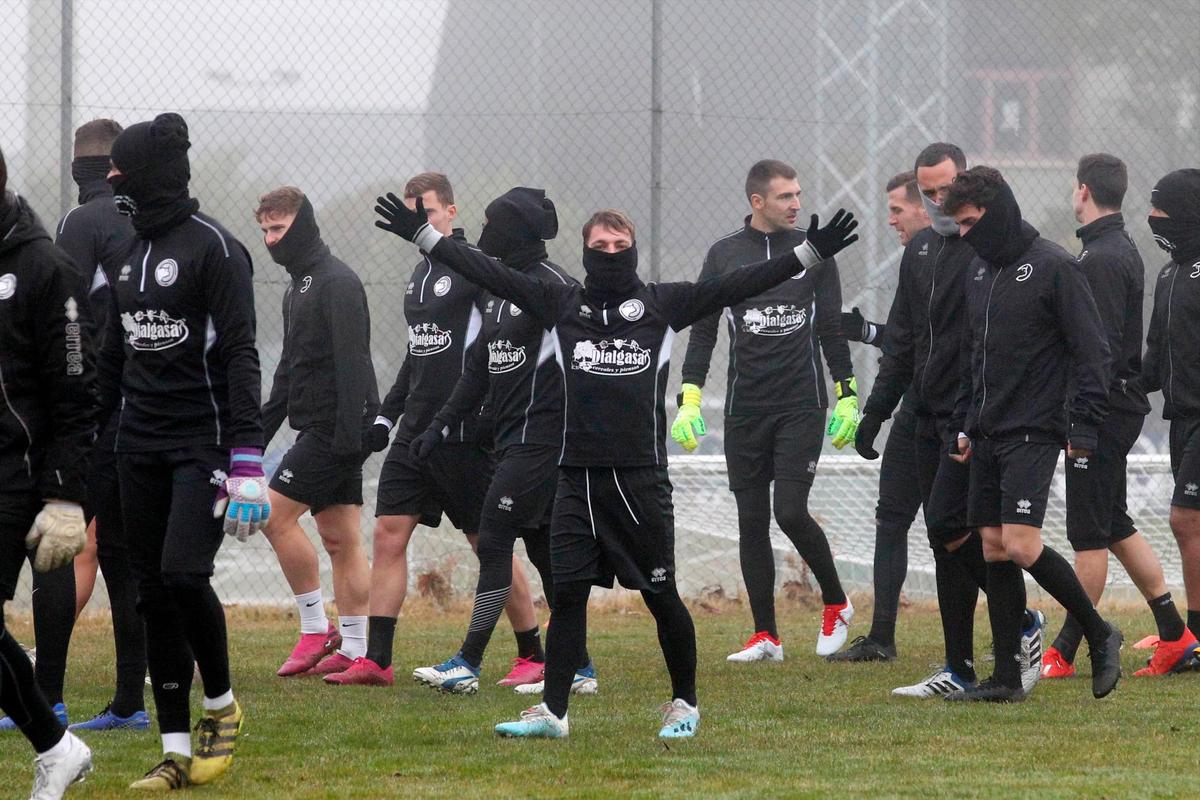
[
  {"x": 689, "y": 425},
  {"x": 844, "y": 423}
]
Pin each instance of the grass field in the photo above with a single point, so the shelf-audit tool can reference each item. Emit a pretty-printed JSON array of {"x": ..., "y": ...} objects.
[{"x": 804, "y": 728}]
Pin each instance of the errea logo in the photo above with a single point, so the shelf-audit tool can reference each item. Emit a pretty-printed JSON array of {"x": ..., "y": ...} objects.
[
  {"x": 812, "y": 468},
  {"x": 505, "y": 504},
  {"x": 286, "y": 476},
  {"x": 924, "y": 251},
  {"x": 979, "y": 275},
  {"x": 1023, "y": 506},
  {"x": 218, "y": 478},
  {"x": 1190, "y": 489},
  {"x": 658, "y": 575},
  {"x": 1081, "y": 463}
]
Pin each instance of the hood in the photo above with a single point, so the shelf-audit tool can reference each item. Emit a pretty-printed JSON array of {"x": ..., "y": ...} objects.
[
  {"x": 19, "y": 225},
  {"x": 1001, "y": 235}
]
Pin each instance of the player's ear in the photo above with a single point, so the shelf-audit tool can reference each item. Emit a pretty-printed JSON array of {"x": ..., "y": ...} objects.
[{"x": 452, "y": 212}]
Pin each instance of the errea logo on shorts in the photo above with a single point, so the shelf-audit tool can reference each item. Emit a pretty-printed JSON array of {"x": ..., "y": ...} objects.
[
  {"x": 505, "y": 504},
  {"x": 1023, "y": 506},
  {"x": 286, "y": 476},
  {"x": 1191, "y": 489},
  {"x": 812, "y": 468},
  {"x": 1081, "y": 463},
  {"x": 658, "y": 575}
]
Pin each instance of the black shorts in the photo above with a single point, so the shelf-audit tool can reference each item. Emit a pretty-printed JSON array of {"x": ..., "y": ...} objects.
[
  {"x": 1010, "y": 481},
  {"x": 945, "y": 483},
  {"x": 167, "y": 498},
  {"x": 614, "y": 523},
  {"x": 310, "y": 474},
  {"x": 1185, "y": 462},
  {"x": 1097, "y": 517},
  {"x": 16, "y": 518},
  {"x": 899, "y": 489},
  {"x": 454, "y": 480},
  {"x": 524, "y": 481},
  {"x": 760, "y": 448}
]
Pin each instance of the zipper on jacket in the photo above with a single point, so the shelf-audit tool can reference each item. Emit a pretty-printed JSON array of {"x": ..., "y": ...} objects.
[
  {"x": 987, "y": 321},
  {"x": 1170, "y": 354},
  {"x": 20, "y": 420},
  {"x": 929, "y": 313},
  {"x": 145, "y": 258}
]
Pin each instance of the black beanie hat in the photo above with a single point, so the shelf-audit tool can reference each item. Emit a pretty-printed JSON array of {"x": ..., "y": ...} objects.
[
  {"x": 146, "y": 145},
  {"x": 1178, "y": 195},
  {"x": 524, "y": 213}
]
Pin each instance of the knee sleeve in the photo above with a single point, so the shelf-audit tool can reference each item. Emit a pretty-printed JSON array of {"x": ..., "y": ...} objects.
[
  {"x": 495, "y": 540},
  {"x": 791, "y": 508}
]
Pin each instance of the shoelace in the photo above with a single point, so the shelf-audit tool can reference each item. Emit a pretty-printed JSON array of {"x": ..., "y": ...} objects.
[
  {"x": 41, "y": 777},
  {"x": 832, "y": 615},
  {"x": 533, "y": 712},
  {"x": 170, "y": 769},
  {"x": 672, "y": 713},
  {"x": 207, "y": 731},
  {"x": 760, "y": 636}
]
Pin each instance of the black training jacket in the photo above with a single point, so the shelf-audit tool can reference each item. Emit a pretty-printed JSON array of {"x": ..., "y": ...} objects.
[
  {"x": 47, "y": 416},
  {"x": 1032, "y": 322},
  {"x": 179, "y": 361},
  {"x": 444, "y": 312},
  {"x": 1172, "y": 360},
  {"x": 922, "y": 342},
  {"x": 513, "y": 366},
  {"x": 774, "y": 337},
  {"x": 98, "y": 237},
  {"x": 1114, "y": 271},
  {"x": 325, "y": 382},
  {"x": 615, "y": 358}
]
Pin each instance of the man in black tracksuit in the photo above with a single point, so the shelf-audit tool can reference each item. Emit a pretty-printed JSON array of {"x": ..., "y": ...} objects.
[
  {"x": 612, "y": 509},
  {"x": 1097, "y": 518},
  {"x": 1032, "y": 328},
  {"x": 513, "y": 366},
  {"x": 899, "y": 495},
  {"x": 46, "y": 428},
  {"x": 180, "y": 362},
  {"x": 98, "y": 237},
  {"x": 444, "y": 313},
  {"x": 775, "y": 404},
  {"x": 325, "y": 387},
  {"x": 1172, "y": 362}
]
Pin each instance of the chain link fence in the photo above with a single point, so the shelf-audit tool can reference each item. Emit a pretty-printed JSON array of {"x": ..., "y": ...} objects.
[{"x": 657, "y": 107}]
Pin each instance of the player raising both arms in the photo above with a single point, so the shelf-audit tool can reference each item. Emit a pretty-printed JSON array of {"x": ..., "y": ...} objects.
[{"x": 612, "y": 509}]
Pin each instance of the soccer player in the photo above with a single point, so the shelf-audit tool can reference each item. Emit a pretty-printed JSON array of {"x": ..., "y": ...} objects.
[
  {"x": 1172, "y": 362},
  {"x": 612, "y": 508},
  {"x": 513, "y": 365},
  {"x": 179, "y": 360},
  {"x": 47, "y": 368},
  {"x": 444, "y": 312},
  {"x": 1097, "y": 519},
  {"x": 1032, "y": 329},
  {"x": 775, "y": 404},
  {"x": 899, "y": 494},
  {"x": 325, "y": 386},
  {"x": 98, "y": 237}
]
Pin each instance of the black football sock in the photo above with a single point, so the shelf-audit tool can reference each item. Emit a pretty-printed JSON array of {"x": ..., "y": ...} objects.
[
  {"x": 380, "y": 633},
  {"x": 677, "y": 637},
  {"x": 970, "y": 555},
  {"x": 756, "y": 556},
  {"x": 890, "y": 569},
  {"x": 1166, "y": 617},
  {"x": 957, "y": 597},
  {"x": 1054, "y": 574},
  {"x": 791, "y": 512},
  {"x": 53, "y": 622},
  {"x": 565, "y": 643},
  {"x": 1068, "y": 639},
  {"x": 529, "y": 645},
  {"x": 21, "y": 699},
  {"x": 1006, "y": 602}
]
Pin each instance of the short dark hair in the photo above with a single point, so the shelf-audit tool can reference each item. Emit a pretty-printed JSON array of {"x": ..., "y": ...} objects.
[
  {"x": 760, "y": 175},
  {"x": 1106, "y": 178},
  {"x": 435, "y": 182},
  {"x": 909, "y": 181},
  {"x": 609, "y": 218},
  {"x": 96, "y": 138},
  {"x": 938, "y": 152},
  {"x": 279, "y": 203},
  {"x": 978, "y": 186}
]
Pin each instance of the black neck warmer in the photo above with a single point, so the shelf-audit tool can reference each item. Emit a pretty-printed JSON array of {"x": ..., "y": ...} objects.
[
  {"x": 611, "y": 277},
  {"x": 153, "y": 185},
  {"x": 1001, "y": 236},
  {"x": 526, "y": 255},
  {"x": 301, "y": 246},
  {"x": 89, "y": 173},
  {"x": 1178, "y": 196}
]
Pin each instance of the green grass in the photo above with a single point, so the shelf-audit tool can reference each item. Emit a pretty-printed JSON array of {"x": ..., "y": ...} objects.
[{"x": 804, "y": 728}]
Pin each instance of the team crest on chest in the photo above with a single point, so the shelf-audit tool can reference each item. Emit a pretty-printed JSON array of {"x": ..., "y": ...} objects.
[
  {"x": 306, "y": 284},
  {"x": 632, "y": 310},
  {"x": 166, "y": 272},
  {"x": 8, "y": 285},
  {"x": 442, "y": 287}
]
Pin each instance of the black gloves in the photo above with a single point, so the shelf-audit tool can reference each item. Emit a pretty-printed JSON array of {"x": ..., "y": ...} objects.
[
  {"x": 378, "y": 436},
  {"x": 856, "y": 327},
  {"x": 864, "y": 439},
  {"x": 422, "y": 446},
  {"x": 398, "y": 219},
  {"x": 834, "y": 237}
]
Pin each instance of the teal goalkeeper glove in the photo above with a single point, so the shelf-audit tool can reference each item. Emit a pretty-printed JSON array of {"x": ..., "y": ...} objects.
[
  {"x": 844, "y": 423},
  {"x": 688, "y": 424}
]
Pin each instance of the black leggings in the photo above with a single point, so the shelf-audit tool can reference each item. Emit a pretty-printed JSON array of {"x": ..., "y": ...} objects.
[
  {"x": 21, "y": 699},
  {"x": 53, "y": 623}
]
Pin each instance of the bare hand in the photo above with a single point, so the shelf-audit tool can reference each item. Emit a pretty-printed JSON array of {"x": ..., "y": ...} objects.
[{"x": 964, "y": 450}]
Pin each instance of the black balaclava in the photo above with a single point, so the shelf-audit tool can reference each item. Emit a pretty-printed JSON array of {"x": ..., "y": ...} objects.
[
  {"x": 153, "y": 185},
  {"x": 611, "y": 277},
  {"x": 518, "y": 221},
  {"x": 301, "y": 246},
  {"x": 1001, "y": 236},
  {"x": 1178, "y": 196}
]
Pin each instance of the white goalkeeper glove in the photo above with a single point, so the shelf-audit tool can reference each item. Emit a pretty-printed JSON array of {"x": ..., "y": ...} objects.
[{"x": 59, "y": 532}]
